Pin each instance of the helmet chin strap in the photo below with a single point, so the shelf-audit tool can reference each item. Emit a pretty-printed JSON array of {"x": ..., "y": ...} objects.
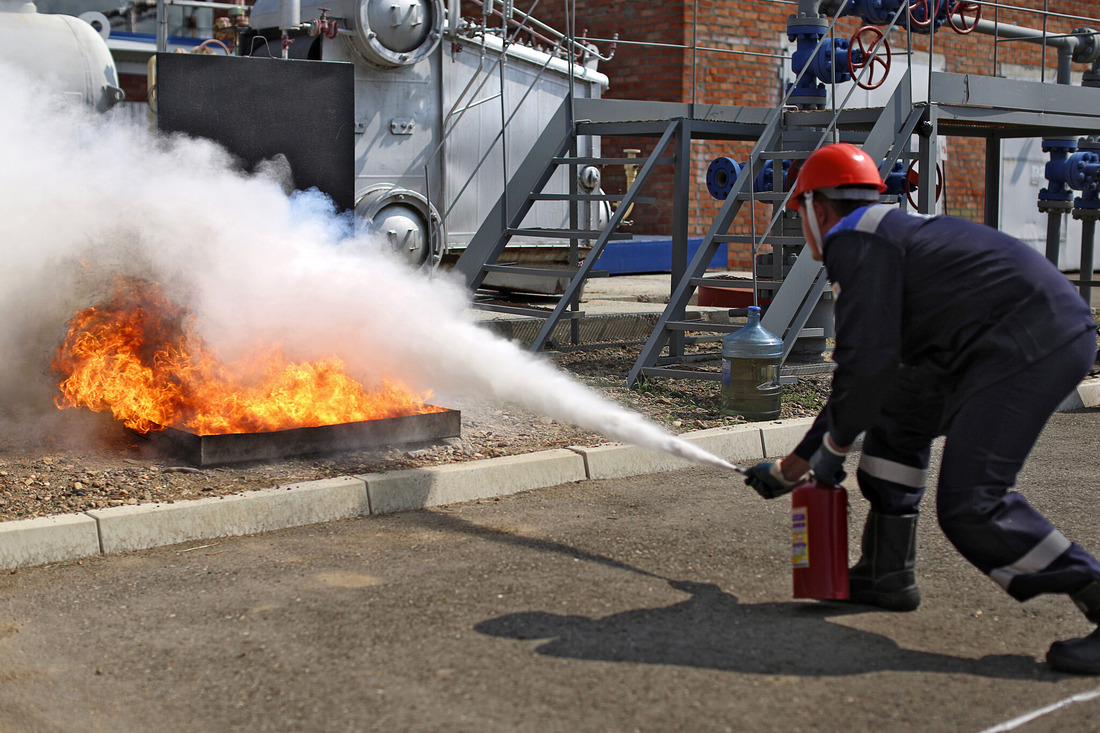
[{"x": 811, "y": 219}]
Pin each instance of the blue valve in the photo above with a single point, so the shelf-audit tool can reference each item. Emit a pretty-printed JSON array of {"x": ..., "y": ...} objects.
[
  {"x": 876, "y": 12},
  {"x": 897, "y": 181},
  {"x": 764, "y": 179},
  {"x": 1067, "y": 171},
  {"x": 806, "y": 38},
  {"x": 723, "y": 172},
  {"x": 832, "y": 58},
  {"x": 721, "y": 175}
]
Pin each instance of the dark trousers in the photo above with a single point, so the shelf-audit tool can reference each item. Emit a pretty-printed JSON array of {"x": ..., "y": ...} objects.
[{"x": 989, "y": 435}]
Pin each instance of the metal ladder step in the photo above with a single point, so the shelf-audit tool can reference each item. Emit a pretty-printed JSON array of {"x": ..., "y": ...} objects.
[
  {"x": 701, "y": 326},
  {"x": 566, "y": 233},
  {"x": 763, "y": 196},
  {"x": 532, "y": 271},
  {"x": 728, "y": 284},
  {"x": 589, "y": 197},
  {"x": 542, "y": 271},
  {"x": 713, "y": 327},
  {"x": 666, "y": 160},
  {"x": 774, "y": 240},
  {"x": 785, "y": 154},
  {"x": 518, "y": 310},
  {"x": 671, "y": 373},
  {"x": 788, "y": 374}
]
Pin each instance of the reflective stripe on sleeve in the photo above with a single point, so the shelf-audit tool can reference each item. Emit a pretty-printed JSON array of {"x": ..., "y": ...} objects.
[
  {"x": 1037, "y": 559},
  {"x": 892, "y": 471},
  {"x": 871, "y": 218}
]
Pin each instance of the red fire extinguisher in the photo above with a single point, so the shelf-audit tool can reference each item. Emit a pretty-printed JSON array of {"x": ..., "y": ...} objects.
[{"x": 819, "y": 541}]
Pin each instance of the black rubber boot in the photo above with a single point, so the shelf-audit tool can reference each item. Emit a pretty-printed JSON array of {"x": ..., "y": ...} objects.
[
  {"x": 884, "y": 575},
  {"x": 1080, "y": 656}
]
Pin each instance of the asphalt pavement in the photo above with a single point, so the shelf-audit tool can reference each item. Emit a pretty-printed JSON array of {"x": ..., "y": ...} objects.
[{"x": 652, "y": 603}]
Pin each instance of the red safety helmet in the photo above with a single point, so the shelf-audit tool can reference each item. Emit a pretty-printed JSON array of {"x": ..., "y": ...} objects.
[{"x": 839, "y": 164}]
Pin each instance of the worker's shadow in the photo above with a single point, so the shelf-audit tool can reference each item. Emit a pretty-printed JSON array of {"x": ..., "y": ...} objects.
[{"x": 712, "y": 630}]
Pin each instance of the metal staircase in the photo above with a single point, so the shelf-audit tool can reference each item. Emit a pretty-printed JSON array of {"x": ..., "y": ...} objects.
[
  {"x": 956, "y": 103},
  {"x": 798, "y": 291},
  {"x": 789, "y": 135},
  {"x": 779, "y": 135},
  {"x": 553, "y": 150}
]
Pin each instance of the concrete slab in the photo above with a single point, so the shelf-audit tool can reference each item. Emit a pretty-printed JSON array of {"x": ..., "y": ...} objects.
[
  {"x": 25, "y": 542},
  {"x": 737, "y": 444},
  {"x": 781, "y": 437},
  {"x": 1087, "y": 394},
  {"x": 458, "y": 482},
  {"x": 154, "y": 525}
]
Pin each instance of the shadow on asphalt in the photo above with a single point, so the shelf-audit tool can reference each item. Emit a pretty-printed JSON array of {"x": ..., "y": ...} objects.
[{"x": 713, "y": 630}]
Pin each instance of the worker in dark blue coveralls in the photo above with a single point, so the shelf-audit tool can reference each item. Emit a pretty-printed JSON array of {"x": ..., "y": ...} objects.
[{"x": 943, "y": 327}]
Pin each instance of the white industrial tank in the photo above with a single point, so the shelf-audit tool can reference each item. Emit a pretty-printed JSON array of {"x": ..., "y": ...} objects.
[
  {"x": 429, "y": 102},
  {"x": 65, "y": 53}
]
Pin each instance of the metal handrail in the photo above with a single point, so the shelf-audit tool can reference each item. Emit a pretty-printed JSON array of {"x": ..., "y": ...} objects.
[
  {"x": 448, "y": 127},
  {"x": 553, "y": 32},
  {"x": 524, "y": 22}
]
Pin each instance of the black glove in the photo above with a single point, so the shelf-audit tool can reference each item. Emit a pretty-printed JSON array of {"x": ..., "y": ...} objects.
[
  {"x": 768, "y": 480},
  {"x": 827, "y": 463}
]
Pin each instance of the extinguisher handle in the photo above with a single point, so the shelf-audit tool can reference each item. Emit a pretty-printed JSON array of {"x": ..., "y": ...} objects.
[{"x": 763, "y": 481}]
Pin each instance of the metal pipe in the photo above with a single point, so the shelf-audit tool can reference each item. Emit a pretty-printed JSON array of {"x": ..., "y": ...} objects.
[
  {"x": 1065, "y": 65},
  {"x": 684, "y": 47},
  {"x": 1088, "y": 236},
  {"x": 162, "y": 27},
  {"x": 1054, "y": 235},
  {"x": 1022, "y": 33}
]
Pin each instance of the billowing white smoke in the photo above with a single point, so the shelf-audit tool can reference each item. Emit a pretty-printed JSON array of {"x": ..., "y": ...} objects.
[{"x": 86, "y": 199}]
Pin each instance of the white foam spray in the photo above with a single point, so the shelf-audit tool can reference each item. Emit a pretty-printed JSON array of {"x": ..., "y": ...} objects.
[{"x": 86, "y": 199}]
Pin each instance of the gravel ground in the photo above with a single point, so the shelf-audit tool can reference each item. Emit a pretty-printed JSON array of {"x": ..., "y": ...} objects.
[{"x": 77, "y": 460}]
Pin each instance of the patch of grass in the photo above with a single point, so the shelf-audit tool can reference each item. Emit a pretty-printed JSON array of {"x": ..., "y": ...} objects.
[{"x": 805, "y": 396}]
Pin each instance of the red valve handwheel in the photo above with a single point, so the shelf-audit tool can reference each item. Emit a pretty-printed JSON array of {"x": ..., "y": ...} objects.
[
  {"x": 912, "y": 178},
  {"x": 927, "y": 12},
  {"x": 860, "y": 40},
  {"x": 969, "y": 14}
]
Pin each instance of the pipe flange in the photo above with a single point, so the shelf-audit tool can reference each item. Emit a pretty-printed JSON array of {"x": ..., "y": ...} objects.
[
  {"x": 394, "y": 33},
  {"x": 1086, "y": 213},
  {"x": 808, "y": 21},
  {"x": 1054, "y": 206},
  {"x": 807, "y": 26},
  {"x": 589, "y": 178},
  {"x": 1087, "y": 49},
  {"x": 1059, "y": 144},
  {"x": 404, "y": 220}
]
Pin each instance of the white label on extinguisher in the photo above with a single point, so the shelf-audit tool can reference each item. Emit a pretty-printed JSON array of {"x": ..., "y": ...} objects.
[{"x": 800, "y": 538}]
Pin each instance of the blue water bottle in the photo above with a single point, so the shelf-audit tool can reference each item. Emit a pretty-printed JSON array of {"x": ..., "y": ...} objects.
[{"x": 751, "y": 357}]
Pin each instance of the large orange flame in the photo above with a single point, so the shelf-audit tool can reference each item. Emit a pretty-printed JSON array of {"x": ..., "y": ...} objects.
[{"x": 137, "y": 355}]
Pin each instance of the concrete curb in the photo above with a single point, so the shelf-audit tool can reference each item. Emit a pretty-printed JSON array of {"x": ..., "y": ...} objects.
[
  {"x": 457, "y": 482},
  {"x": 143, "y": 526},
  {"x": 735, "y": 444},
  {"x": 44, "y": 540},
  {"x": 781, "y": 437},
  {"x": 1087, "y": 394},
  {"x": 60, "y": 538}
]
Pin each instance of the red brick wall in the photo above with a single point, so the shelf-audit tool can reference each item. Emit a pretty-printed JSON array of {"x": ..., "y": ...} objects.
[
  {"x": 135, "y": 85},
  {"x": 757, "y": 32}
]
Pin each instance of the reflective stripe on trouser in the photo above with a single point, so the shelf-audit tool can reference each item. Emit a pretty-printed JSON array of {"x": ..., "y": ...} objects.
[{"x": 988, "y": 440}]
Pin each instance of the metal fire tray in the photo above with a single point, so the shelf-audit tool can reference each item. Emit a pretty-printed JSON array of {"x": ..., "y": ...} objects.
[{"x": 209, "y": 450}]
